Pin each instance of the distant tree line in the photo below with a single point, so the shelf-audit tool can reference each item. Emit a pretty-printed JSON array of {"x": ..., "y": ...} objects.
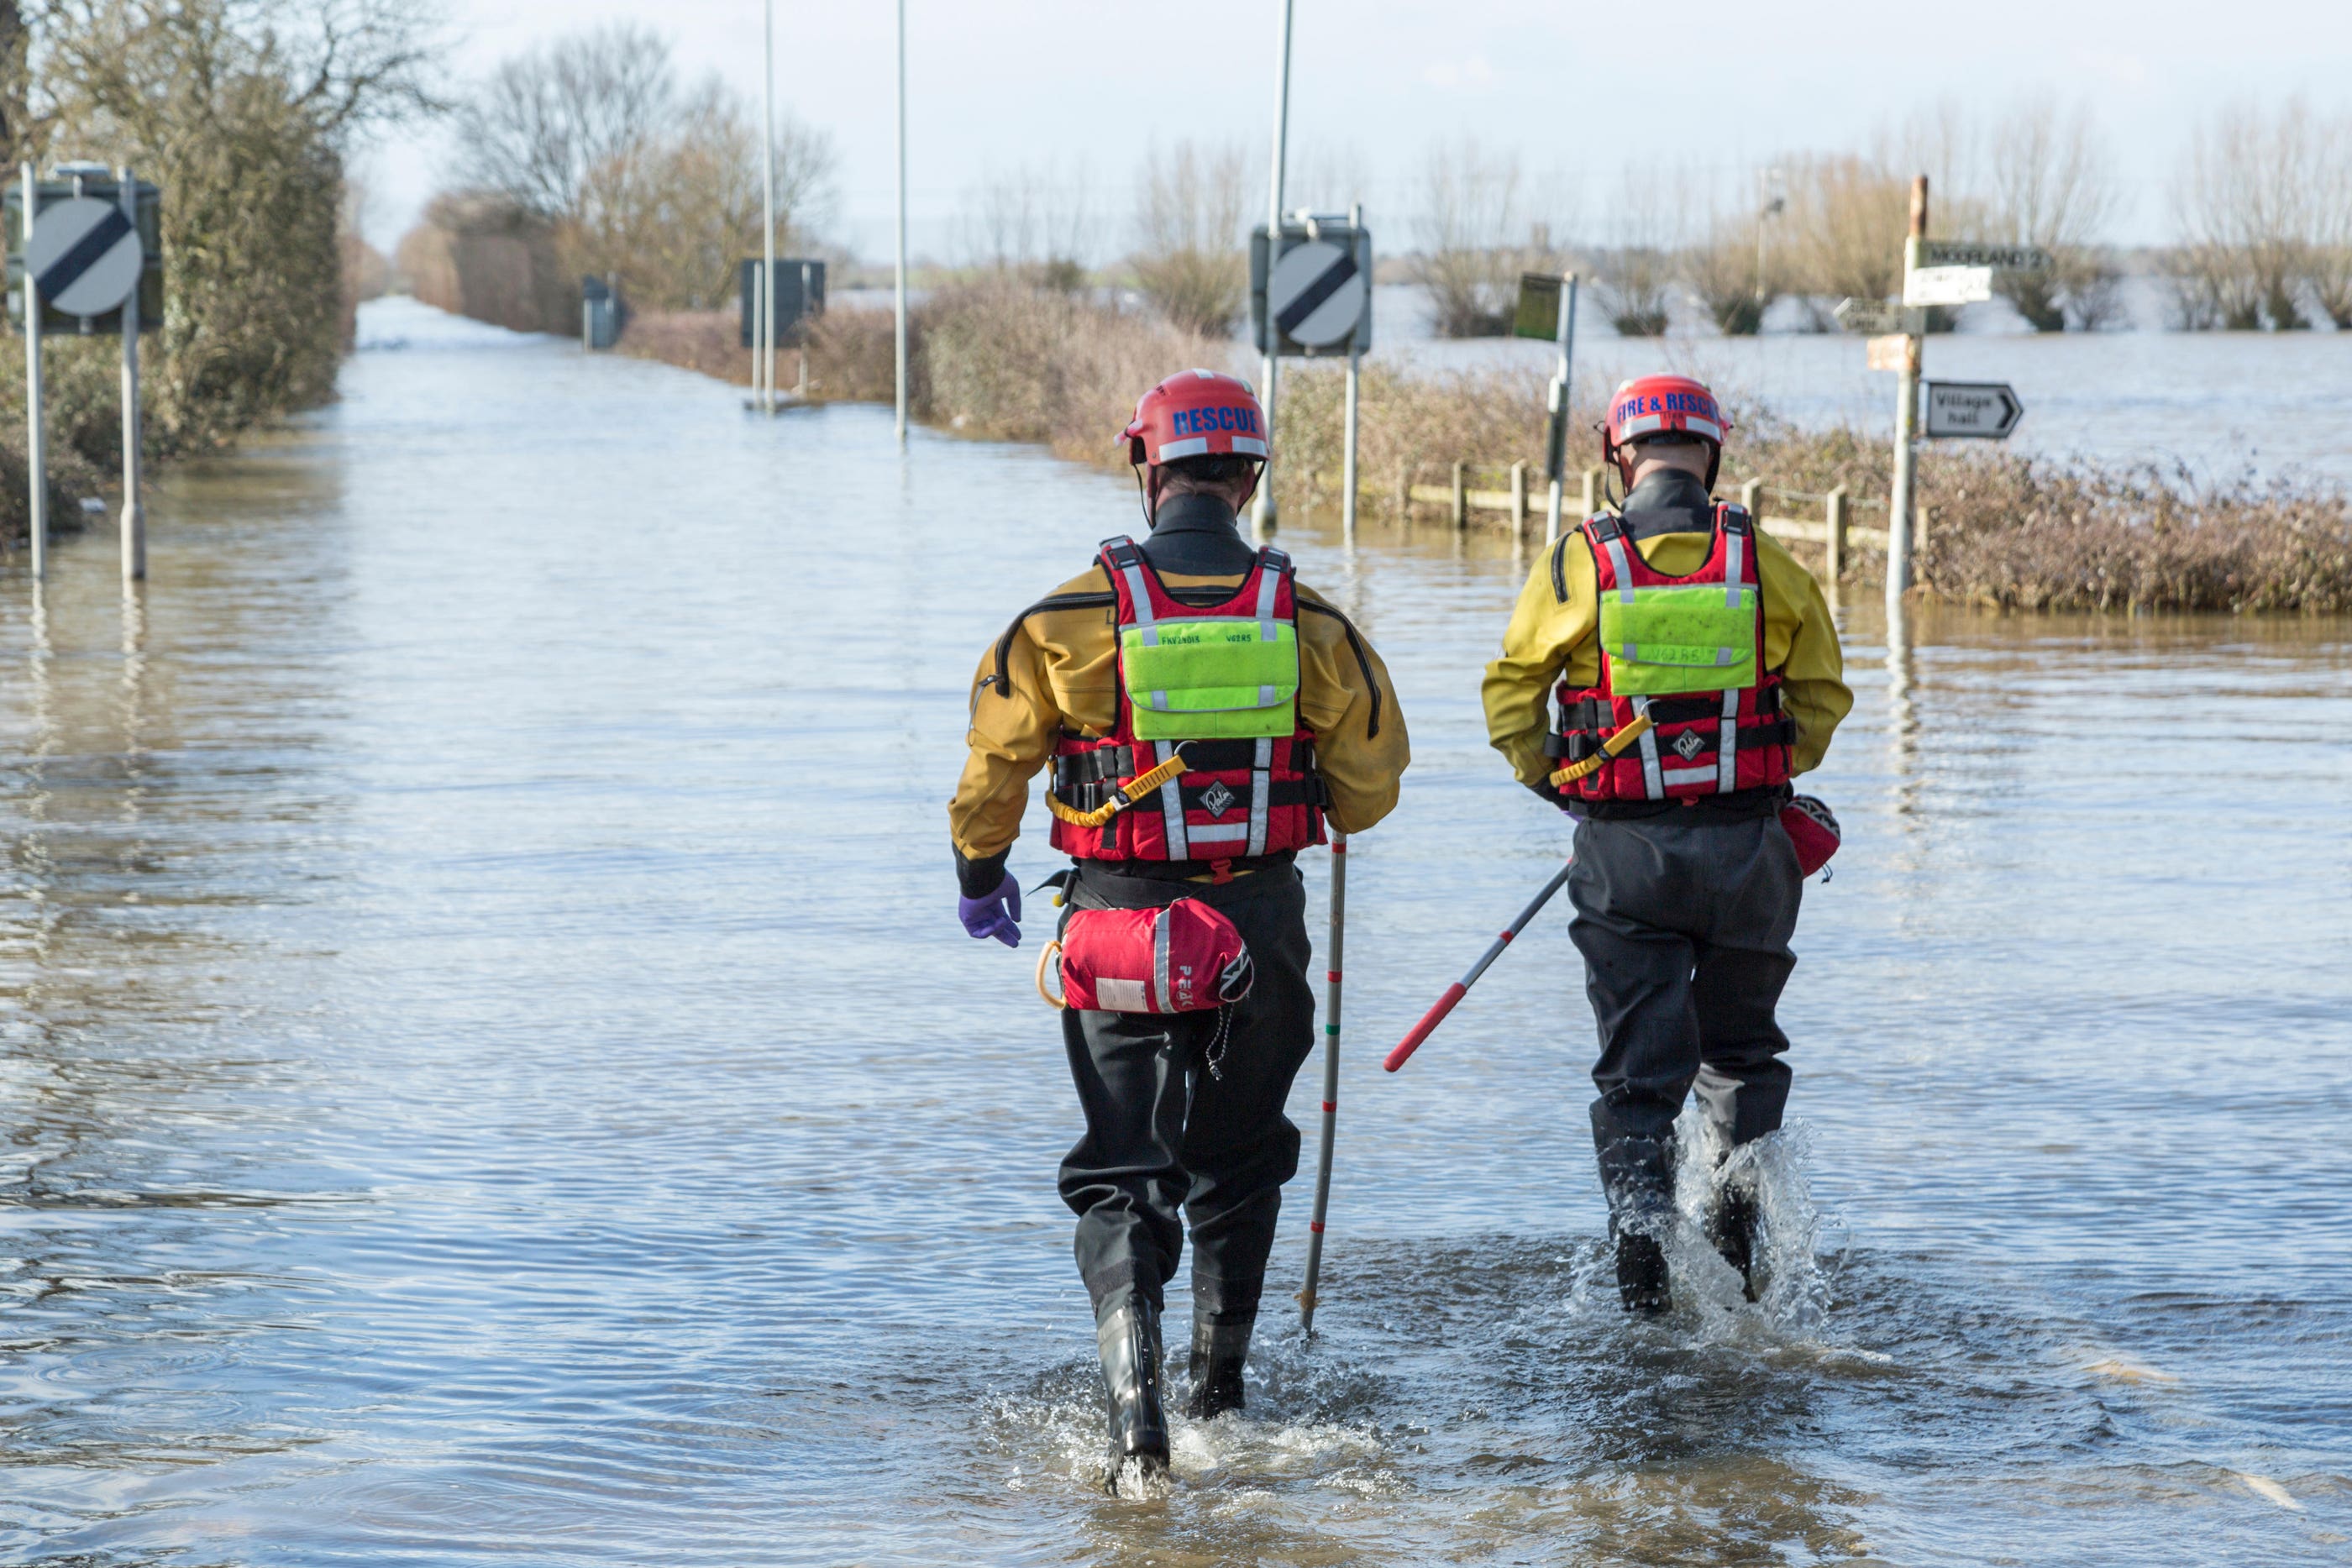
[
  {"x": 589, "y": 154},
  {"x": 2260, "y": 204}
]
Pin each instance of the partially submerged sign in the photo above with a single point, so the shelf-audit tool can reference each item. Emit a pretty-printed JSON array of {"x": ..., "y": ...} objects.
[
  {"x": 1538, "y": 315},
  {"x": 1982, "y": 411}
]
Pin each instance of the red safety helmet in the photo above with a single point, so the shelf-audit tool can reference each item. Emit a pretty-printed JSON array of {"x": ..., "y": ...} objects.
[
  {"x": 1650, "y": 405},
  {"x": 1196, "y": 414}
]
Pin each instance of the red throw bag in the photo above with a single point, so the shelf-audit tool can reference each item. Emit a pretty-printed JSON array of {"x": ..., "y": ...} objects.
[
  {"x": 1184, "y": 958},
  {"x": 1813, "y": 828}
]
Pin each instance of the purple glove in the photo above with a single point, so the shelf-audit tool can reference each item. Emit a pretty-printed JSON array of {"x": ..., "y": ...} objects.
[{"x": 997, "y": 915}]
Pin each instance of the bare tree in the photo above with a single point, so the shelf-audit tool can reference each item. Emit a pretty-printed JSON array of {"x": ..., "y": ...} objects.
[
  {"x": 548, "y": 118},
  {"x": 1731, "y": 266},
  {"x": 2328, "y": 252},
  {"x": 2240, "y": 201},
  {"x": 2054, "y": 184},
  {"x": 1475, "y": 238},
  {"x": 1034, "y": 222},
  {"x": 1847, "y": 218},
  {"x": 1191, "y": 205},
  {"x": 1637, "y": 271},
  {"x": 672, "y": 213}
]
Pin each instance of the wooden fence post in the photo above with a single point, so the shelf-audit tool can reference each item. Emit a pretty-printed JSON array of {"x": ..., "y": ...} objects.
[
  {"x": 1461, "y": 495},
  {"x": 1592, "y": 492},
  {"x": 1836, "y": 564},
  {"x": 1519, "y": 497},
  {"x": 1751, "y": 496},
  {"x": 1404, "y": 493}
]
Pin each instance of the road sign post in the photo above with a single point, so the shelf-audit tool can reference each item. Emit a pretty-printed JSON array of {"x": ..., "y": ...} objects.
[
  {"x": 1546, "y": 308},
  {"x": 1263, "y": 521},
  {"x": 134, "y": 516},
  {"x": 1311, "y": 297},
  {"x": 87, "y": 247},
  {"x": 36, "y": 452},
  {"x": 1907, "y": 418}
]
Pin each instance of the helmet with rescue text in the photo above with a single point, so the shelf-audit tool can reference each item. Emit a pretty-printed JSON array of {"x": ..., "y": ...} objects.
[
  {"x": 1203, "y": 424},
  {"x": 1661, "y": 411}
]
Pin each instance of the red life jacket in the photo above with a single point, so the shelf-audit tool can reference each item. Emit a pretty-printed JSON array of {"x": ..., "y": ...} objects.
[
  {"x": 1706, "y": 742},
  {"x": 1236, "y": 799}
]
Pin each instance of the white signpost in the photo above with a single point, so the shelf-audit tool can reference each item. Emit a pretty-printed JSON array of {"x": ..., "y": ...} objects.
[
  {"x": 79, "y": 254},
  {"x": 1936, "y": 272},
  {"x": 1947, "y": 285},
  {"x": 1982, "y": 411}
]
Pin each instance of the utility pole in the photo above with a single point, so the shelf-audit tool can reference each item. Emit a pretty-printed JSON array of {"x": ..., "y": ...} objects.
[
  {"x": 134, "y": 516},
  {"x": 1262, "y": 519},
  {"x": 901, "y": 329},
  {"x": 1562, "y": 382},
  {"x": 766, "y": 368},
  {"x": 1348, "y": 463},
  {"x": 35, "y": 449},
  {"x": 1901, "y": 505}
]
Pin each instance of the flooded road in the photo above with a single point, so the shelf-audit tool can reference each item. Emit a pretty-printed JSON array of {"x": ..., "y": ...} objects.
[{"x": 491, "y": 1073}]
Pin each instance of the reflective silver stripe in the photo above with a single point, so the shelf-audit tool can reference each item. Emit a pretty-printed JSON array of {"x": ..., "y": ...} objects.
[
  {"x": 1222, "y": 833},
  {"x": 1615, "y": 545},
  {"x": 1159, "y": 1002},
  {"x": 1140, "y": 595},
  {"x": 1261, "y": 793},
  {"x": 1726, "y": 760},
  {"x": 1734, "y": 552},
  {"x": 1689, "y": 775},
  {"x": 1171, "y": 805},
  {"x": 1652, "y": 784}
]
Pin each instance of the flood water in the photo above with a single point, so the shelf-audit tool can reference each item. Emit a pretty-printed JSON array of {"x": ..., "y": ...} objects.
[{"x": 492, "y": 1074}]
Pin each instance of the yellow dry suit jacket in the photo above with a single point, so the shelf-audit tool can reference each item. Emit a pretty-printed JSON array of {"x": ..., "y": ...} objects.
[
  {"x": 1062, "y": 672},
  {"x": 1554, "y": 633}
]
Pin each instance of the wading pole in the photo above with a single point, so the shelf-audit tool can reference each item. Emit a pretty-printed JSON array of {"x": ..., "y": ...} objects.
[
  {"x": 1461, "y": 987},
  {"x": 1331, "y": 1083}
]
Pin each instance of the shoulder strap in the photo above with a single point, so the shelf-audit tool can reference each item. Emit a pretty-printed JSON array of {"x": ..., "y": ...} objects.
[
  {"x": 1273, "y": 567},
  {"x": 1733, "y": 519},
  {"x": 1120, "y": 551}
]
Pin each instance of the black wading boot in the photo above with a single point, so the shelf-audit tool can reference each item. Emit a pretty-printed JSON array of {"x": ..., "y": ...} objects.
[
  {"x": 1732, "y": 1228},
  {"x": 1128, "y": 1337},
  {"x": 1219, "y": 1352},
  {"x": 1641, "y": 1273}
]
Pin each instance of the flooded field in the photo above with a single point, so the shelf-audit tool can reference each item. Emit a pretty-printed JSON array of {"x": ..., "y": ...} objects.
[{"x": 491, "y": 1073}]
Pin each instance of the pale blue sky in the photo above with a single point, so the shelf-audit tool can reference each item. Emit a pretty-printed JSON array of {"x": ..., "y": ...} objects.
[{"x": 1718, "y": 83}]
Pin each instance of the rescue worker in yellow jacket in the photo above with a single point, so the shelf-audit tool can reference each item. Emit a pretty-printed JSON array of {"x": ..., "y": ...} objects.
[
  {"x": 1677, "y": 628},
  {"x": 1204, "y": 713}
]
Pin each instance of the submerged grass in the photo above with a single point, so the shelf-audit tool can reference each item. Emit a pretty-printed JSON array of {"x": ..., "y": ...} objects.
[{"x": 1000, "y": 360}]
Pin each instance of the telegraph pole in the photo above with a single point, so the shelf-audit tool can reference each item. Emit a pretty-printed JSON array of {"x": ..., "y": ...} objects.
[
  {"x": 1262, "y": 519},
  {"x": 901, "y": 328},
  {"x": 1906, "y": 420}
]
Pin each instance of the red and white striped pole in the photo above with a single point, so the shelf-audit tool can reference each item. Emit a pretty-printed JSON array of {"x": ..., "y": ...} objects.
[
  {"x": 1461, "y": 987},
  {"x": 1330, "y": 1082}
]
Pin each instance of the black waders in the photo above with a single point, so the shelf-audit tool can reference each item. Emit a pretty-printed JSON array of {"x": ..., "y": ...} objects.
[
  {"x": 1128, "y": 1337},
  {"x": 1219, "y": 1353}
]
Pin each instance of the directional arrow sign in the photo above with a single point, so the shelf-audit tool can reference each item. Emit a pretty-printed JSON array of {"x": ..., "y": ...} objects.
[
  {"x": 1971, "y": 253},
  {"x": 1875, "y": 318},
  {"x": 1948, "y": 286},
  {"x": 1986, "y": 411}
]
